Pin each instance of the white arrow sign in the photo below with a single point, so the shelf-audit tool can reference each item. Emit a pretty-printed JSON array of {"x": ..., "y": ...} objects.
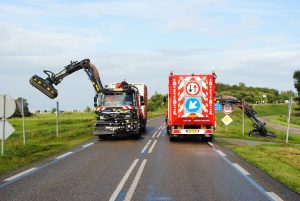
[
  {"x": 8, "y": 129},
  {"x": 8, "y": 105},
  {"x": 192, "y": 105}
]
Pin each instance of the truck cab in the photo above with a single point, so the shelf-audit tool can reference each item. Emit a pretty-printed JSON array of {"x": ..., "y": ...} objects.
[{"x": 119, "y": 111}]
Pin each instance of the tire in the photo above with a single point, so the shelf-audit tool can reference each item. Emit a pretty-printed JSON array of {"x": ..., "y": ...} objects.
[
  {"x": 209, "y": 139},
  {"x": 102, "y": 137},
  {"x": 144, "y": 128},
  {"x": 137, "y": 136},
  {"x": 172, "y": 139}
]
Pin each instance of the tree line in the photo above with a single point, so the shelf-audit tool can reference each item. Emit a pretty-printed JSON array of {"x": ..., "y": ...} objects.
[{"x": 254, "y": 94}]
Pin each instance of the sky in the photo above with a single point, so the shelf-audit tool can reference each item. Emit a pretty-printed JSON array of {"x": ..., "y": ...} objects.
[{"x": 255, "y": 42}]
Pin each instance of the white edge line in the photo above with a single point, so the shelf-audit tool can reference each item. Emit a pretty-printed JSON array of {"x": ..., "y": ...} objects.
[
  {"x": 221, "y": 153},
  {"x": 122, "y": 182},
  {"x": 146, "y": 146},
  {"x": 152, "y": 147},
  {"x": 87, "y": 145},
  {"x": 64, "y": 155},
  {"x": 210, "y": 144},
  {"x": 154, "y": 134},
  {"x": 274, "y": 196},
  {"x": 135, "y": 181},
  {"x": 20, "y": 174},
  {"x": 158, "y": 134},
  {"x": 242, "y": 170}
]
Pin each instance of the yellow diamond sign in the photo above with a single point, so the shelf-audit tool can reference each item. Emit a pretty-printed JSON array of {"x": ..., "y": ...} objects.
[{"x": 227, "y": 120}]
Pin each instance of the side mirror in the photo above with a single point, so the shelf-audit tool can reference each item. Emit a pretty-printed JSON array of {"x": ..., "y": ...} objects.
[
  {"x": 142, "y": 100},
  {"x": 95, "y": 100}
]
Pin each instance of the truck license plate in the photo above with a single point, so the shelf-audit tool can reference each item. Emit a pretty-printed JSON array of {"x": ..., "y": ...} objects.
[{"x": 192, "y": 131}]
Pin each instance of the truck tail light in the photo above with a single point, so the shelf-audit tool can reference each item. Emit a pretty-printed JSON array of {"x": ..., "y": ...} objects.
[
  {"x": 176, "y": 131},
  {"x": 208, "y": 131}
]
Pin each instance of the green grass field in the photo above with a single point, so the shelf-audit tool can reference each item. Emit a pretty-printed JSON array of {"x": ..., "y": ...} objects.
[{"x": 278, "y": 160}]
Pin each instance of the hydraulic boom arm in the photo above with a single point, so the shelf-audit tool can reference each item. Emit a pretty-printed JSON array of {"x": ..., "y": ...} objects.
[
  {"x": 46, "y": 85},
  {"x": 259, "y": 127}
]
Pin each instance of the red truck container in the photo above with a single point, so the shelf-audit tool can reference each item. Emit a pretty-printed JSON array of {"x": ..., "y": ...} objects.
[{"x": 191, "y": 106}]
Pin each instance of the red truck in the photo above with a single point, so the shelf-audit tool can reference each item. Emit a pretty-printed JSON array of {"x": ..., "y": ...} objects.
[{"x": 191, "y": 106}]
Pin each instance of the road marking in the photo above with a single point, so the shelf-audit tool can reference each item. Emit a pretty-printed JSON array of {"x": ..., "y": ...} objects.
[
  {"x": 158, "y": 134},
  {"x": 242, "y": 170},
  {"x": 154, "y": 134},
  {"x": 221, "y": 153},
  {"x": 20, "y": 174},
  {"x": 163, "y": 127},
  {"x": 274, "y": 196},
  {"x": 152, "y": 147},
  {"x": 146, "y": 146},
  {"x": 135, "y": 181},
  {"x": 210, "y": 144},
  {"x": 64, "y": 155},
  {"x": 122, "y": 182},
  {"x": 87, "y": 145}
]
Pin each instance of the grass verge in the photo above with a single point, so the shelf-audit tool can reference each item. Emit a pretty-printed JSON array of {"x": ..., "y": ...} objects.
[
  {"x": 278, "y": 160},
  {"x": 41, "y": 140}
]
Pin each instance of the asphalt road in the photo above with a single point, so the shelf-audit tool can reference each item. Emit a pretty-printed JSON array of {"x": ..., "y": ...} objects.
[{"x": 151, "y": 168}]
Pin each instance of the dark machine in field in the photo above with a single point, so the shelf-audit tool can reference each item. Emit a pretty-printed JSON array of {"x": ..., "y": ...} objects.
[
  {"x": 259, "y": 127},
  {"x": 121, "y": 109}
]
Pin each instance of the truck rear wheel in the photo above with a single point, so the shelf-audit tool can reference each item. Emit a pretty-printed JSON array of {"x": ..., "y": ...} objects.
[
  {"x": 172, "y": 139},
  {"x": 144, "y": 128},
  {"x": 209, "y": 139},
  {"x": 102, "y": 137}
]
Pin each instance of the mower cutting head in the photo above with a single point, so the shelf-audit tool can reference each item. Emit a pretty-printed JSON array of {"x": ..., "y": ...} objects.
[{"x": 44, "y": 86}]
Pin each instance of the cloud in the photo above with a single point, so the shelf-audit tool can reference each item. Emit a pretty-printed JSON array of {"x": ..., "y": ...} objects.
[{"x": 186, "y": 37}]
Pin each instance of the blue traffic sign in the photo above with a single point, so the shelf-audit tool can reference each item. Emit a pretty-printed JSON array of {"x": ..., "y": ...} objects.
[
  {"x": 218, "y": 106},
  {"x": 192, "y": 105}
]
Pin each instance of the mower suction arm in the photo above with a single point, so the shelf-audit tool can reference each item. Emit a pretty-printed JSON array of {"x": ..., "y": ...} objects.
[{"x": 46, "y": 85}]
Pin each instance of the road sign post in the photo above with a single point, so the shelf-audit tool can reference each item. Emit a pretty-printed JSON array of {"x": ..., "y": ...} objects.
[
  {"x": 7, "y": 109},
  {"x": 24, "y": 137},
  {"x": 288, "y": 120},
  {"x": 243, "y": 118},
  {"x": 57, "y": 112},
  {"x": 3, "y": 134},
  {"x": 227, "y": 120}
]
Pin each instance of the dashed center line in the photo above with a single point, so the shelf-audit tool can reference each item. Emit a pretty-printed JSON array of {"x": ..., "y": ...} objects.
[
  {"x": 154, "y": 134},
  {"x": 152, "y": 147},
  {"x": 146, "y": 146},
  {"x": 20, "y": 174},
  {"x": 123, "y": 181},
  {"x": 158, "y": 134},
  {"x": 135, "y": 181}
]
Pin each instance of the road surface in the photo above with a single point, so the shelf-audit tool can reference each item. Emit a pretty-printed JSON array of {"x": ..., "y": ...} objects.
[{"x": 151, "y": 168}]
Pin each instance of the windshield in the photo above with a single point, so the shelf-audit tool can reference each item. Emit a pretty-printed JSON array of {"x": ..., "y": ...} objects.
[{"x": 116, "y": 100}]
